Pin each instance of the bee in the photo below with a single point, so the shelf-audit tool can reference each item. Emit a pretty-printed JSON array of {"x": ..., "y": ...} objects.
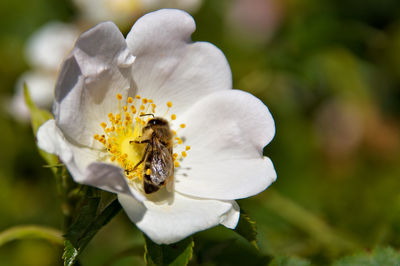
[{"x": 158, "y": 160}]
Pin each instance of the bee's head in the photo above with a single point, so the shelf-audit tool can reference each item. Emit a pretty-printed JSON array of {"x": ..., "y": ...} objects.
[{"x": 157, "y": 121}]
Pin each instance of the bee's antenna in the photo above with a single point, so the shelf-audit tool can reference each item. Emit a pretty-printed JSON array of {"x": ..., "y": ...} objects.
[{"x": 146, "y": 115}]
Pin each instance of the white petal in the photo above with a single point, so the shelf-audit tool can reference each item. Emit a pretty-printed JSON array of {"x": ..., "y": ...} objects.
[
  {"x": 227, "y": 132},
  {"x": 96, "y": 70},
  {"x": 231, "y": 218},
  {"x": 111, "y": 178},
  {"x": 51, "y": 140},
  {"x": 50, "y": 44},
  {"x": 81, "y": 162},
  {"x": 169, "y": 67},
  {"x": 41, "y": 89},
  {"x": 169, "y": 221}
]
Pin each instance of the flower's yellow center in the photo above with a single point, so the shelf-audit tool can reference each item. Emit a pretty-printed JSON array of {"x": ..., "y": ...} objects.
[{"x": 123, "y": 133}]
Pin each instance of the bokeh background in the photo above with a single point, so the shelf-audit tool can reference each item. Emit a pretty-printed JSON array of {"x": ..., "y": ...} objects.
[{"x": 329, "y": 71}]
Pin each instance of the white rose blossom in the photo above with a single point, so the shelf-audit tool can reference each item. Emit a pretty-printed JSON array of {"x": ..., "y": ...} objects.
[
  {"x": 45, "y": 52},
  {"x": 219, "y": 133}
]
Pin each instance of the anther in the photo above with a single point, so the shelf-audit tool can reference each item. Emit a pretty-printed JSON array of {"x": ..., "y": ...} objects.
[
  {"x": 169, "y": 104},
  {"x": 176, "y": 164},
  {"x": 137, "y": 97},
  {"x": 187, "y": 148},
  {"x": 119, "y": 96},
  {"x": 184, "y": 154},
  {"x": 173, "y": 116},
  {"x": 103, "y": 125},
  {"x": 130, "y": 100},
  {"x": 182, "y": 125}
]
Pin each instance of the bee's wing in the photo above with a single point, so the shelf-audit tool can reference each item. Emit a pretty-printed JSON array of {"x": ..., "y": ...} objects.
[{"x": 161, "y": 164}]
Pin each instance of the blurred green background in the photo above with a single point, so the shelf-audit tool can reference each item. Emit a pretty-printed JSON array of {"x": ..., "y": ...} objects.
[{"x": 329, "y": 71}]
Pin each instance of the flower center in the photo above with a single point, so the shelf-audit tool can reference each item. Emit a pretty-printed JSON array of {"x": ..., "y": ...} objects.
[{"x": 125, "y": 140}]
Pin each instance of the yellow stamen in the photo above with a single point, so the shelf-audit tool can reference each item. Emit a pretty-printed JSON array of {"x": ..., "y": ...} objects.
[{"x": 123, "y": 130}]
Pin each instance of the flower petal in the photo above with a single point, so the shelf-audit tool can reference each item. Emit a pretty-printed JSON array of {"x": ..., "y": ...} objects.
[
  {"x": 96, "y": 70},
  {"x": 41, "y": 89},
  {"x": 170, "y": 221},
  {"x": 50, "y": 44},
  {"x": 81, "y": 162},
  {"x": 169, "y": 67},
  {"x": 227, "y": 132},
  {"x": 51, "y": 140}
]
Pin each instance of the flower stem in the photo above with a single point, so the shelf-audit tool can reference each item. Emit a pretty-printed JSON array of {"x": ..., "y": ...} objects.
[
  {"x": 308, "y": 222},
  {"x": 31, "y": 232}
]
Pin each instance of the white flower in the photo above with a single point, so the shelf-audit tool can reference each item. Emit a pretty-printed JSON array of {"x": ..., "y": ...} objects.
[
  {"x": 45, "y": 51},
  {"x": 220, "y": 132},
  {"x": 123, "y": 12}
]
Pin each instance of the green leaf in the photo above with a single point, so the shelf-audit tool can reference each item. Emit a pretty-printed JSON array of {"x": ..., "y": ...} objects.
[
  {"x": 175, "y": 254},
  {"x": 379, "y": 256},
  {"x": 70, "y": 253},
  {"x": 247, "y": 229},
  {"x": 96, "y": 210},
  {"x": 289, "y": 261},
  {"x": 38, "y": 117}
]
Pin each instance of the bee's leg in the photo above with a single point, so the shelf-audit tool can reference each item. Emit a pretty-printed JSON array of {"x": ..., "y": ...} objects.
[
  {"x": 139, "y": 142},
  {"x": 143, "y": 158}
]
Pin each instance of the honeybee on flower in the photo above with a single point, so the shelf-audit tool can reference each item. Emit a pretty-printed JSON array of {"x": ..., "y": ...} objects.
[{"x": 177, "y": 168}]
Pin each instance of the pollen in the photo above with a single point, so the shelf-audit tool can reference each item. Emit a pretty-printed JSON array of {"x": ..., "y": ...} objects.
[{"x": 123, "y": 132}]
